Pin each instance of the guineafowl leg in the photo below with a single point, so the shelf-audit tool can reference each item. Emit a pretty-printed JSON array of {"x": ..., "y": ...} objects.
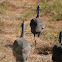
[
  {"x": 27, "y": 56},
  {"x": 35, "y": 39},
  {"x": 38, "y": 34}
]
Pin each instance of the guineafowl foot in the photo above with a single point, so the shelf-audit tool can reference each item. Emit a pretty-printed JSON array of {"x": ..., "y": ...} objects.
[{"x": 35, "y": 42}]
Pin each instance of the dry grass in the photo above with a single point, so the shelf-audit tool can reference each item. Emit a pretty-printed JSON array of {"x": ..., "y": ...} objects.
[{"x": 11, "y": 18}]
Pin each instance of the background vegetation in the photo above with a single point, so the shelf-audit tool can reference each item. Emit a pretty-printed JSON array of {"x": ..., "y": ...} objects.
[{"x": 13, "y": 12}]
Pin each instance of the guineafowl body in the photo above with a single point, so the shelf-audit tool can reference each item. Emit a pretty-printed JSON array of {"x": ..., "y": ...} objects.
[
  {"x": 57, "y": 53},
  {"x": 57, "y": 50},
  {"x": 21, "y": 48},
  {"x": 37, "y": 26}
]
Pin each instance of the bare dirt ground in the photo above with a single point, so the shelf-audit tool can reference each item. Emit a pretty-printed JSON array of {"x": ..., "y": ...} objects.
[{"x": 12, "y": 31}]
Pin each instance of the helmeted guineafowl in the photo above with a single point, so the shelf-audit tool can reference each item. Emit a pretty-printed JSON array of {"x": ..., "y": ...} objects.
[
  {"x": 21, "y": 48},
  {"x": 57, "y": 50},
  {"x": 37, "y": 25}
]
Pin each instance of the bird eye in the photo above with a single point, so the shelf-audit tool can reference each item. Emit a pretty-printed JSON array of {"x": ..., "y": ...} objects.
[{"x": 42, "y": 28}]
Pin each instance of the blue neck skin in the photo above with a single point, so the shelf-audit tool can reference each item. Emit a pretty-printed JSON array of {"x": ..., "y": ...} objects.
[
  {"x": 22, "y": 34},
  {"x": 60, "y": 37},
  {"x": 38, "y": 10}
]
